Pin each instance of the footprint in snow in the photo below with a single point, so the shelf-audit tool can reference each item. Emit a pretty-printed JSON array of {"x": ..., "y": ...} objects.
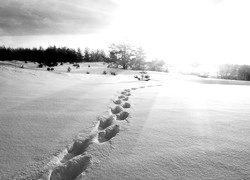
[
  {"x": 123, "y": 115},
  {"x": 126, "y": 105}
]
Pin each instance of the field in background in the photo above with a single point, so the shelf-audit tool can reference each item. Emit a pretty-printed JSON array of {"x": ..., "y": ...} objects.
[{"x": 183, "y": 128}]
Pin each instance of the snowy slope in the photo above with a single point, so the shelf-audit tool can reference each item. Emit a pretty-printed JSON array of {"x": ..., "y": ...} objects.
[
  {"x": 115, "y": 127},
  {"x": 182, "y": 130}
]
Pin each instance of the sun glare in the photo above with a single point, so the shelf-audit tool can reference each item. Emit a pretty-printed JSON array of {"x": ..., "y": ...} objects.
[
  {"x": 185, "y": 31},
  {"x": 140, "y": 24}
]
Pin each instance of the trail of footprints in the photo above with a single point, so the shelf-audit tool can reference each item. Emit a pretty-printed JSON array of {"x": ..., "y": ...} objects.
[{"x": 73, "y": 164}]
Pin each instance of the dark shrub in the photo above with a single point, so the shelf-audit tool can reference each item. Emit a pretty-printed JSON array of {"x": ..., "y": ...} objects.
[
  {"x": 40, "y": 66},
  {"x": 52, "y": 64},
  {"x": 48, "y": 69},
  {"x": 76, "y": 65}
]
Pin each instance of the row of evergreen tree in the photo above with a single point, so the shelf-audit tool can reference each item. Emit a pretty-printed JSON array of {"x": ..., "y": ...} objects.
[
  {"x": 51, "y": 55},
  {"x": 121, "y": 55}
]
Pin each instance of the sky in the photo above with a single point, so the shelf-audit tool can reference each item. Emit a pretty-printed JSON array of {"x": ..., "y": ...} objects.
[{"x": 177, "y": 31}]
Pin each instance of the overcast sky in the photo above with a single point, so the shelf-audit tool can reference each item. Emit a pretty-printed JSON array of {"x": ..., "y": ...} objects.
[{"x": 211, "y": 31}]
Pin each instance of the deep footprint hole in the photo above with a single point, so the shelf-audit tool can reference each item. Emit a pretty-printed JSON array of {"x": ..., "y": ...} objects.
[
  {"x": 71, "y": 169},
  {"x": 128, "y": 94},
  {"x": 116, "y": 110},
  {"x": 118, "y": 101},
  {"x": 108, "y": 133},
  {"x": 121, "y": 96},
  {"x": 80, "y": 146},
  {"x": 126, "y": 105},
  {"x": 125, "y": 99},
  {"x": 107, "y": 121},
  {"x": 124, "y": 92},
  {"x": 123, "y": 115}
]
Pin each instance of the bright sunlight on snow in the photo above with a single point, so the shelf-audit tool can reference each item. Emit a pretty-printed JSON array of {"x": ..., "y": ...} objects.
[{"x": 59, "y": 125}]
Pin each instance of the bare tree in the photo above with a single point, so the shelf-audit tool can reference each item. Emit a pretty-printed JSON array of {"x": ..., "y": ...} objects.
[{"x": 122, "y": 54}]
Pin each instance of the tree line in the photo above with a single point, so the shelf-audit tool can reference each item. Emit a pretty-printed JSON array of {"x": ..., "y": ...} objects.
[
  {"x": 234, "y": 72},
  {"x": 120, "y": 55},
  {"x": 50, "y": 55}
]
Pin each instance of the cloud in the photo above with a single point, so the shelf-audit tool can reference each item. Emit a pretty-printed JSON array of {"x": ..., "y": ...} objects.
[{"x": 54, "y": 17}]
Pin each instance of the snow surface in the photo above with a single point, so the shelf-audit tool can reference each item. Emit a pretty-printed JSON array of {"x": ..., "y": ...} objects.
[{"x": 55, "y": 125}]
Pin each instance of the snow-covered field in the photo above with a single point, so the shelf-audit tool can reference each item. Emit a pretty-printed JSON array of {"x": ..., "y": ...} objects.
[{"x": 57, "y": 125}]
